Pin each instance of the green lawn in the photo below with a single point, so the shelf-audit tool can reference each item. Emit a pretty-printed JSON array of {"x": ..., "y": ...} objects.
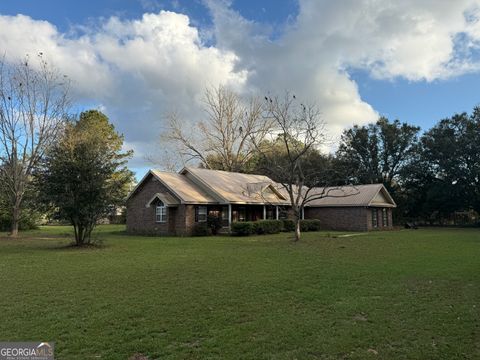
[{"x": 387, "y": 295}]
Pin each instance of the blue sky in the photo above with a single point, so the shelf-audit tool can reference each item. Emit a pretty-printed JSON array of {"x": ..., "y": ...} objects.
[
  {"x": 419, "y": 102},
  {"x": 138, "y": 60},
  {"x": 65, "y": 13}
]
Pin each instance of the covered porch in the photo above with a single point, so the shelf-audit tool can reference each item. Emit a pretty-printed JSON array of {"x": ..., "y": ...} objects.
[{"x": 246, "y": 212}]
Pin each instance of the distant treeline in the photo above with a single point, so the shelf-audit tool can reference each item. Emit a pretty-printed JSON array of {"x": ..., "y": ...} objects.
[{"x": 433, "y": 176}]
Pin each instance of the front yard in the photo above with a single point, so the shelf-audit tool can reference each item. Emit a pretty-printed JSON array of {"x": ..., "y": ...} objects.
[{"x": 387, "y": 295}]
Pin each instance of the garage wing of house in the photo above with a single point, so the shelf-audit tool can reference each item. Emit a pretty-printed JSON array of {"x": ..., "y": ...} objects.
[{"x": 370, "y": 195}]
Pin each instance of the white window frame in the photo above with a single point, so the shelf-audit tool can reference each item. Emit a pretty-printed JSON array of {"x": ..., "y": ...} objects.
[
  {"x": 160, "y": 213},
  {"x": 384, "y": 217},
  {"x": 374, "y": 218},
  {"x": 202, "y": 214}
]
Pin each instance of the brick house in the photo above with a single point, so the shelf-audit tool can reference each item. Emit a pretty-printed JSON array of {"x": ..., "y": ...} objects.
[
  {"x": 364, "y": 208},
  {"x": 166, "y": 203}
]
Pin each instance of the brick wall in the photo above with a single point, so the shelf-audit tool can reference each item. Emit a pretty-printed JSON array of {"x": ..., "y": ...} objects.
[
  {"x": 348, "y": 218},
  {"x": 141, "y": 219},
  {"x": 339, "y": 218},
  {"x": 379, "y": 219},
  {"x": 181, "y": 219},
  {"x": 189, "y": 219},
  {"x": 185, "y": 220}
]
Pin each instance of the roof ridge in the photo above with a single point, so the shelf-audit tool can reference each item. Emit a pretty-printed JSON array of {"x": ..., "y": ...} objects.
[
  {"x": 164, "y": 171},
  {"x": 225, "y": 171}
]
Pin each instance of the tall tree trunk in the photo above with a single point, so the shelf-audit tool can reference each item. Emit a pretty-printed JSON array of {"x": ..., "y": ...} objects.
[
  {"x": 79, "y": 233},
  {"x": 88, "y": 232},
  {"x": 297, "y": 229},
  {"x": 15, "y": 218}
]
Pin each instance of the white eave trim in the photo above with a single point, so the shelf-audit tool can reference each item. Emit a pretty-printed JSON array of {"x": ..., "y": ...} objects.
[
  {"x": 162, "y": 198},
  {"x": 387, "y": 195},
  {"x": 150, "y": 172}
]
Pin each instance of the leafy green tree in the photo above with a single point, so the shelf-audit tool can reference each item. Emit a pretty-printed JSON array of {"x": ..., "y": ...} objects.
[
  {"x": 452, "y": 149},
  {"x": 376, "y": 153},
  {"x": 31, "y": 212},
  {"x": 318, "y": 168},
  {"x": 380, "y": 153},
  {"x": 443, "y": 176},
  {"x": 84, "y": 174},
  {"x": 416, "y": 182}
]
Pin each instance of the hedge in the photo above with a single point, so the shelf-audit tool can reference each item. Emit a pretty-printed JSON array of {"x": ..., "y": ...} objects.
[
  {"x": 243, "y": 228},
  {"x": 201, "y": 229},
  {"x": 261, "y": 227},
  {"x": 310, "y": 225},
  {"x": 305, "y": 225},
  {"x": 268, "y": 226},
  {"x": 288, "y": 225}
]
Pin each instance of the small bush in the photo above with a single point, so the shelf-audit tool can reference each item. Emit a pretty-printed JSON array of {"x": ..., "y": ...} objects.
[
  {"x": 214, "y": 223},
  {"x": 305, "y": 225},
  {"x": 288, "y": 225},
  {"x": 310, "y": 225},
  {"x": 268, "y": 226},
  {"x": 28, "y": 221},
  {"x": 118, "y": 219},
  {"x": 243, "y": 228},
  {"x": 201, "y": 229}
]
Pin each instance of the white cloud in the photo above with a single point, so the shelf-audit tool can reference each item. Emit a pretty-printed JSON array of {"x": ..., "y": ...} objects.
[
  {"x": 75, "y": 57},
  {"x": 138, "y": 70},
  {"x": 413, "y": 39}
]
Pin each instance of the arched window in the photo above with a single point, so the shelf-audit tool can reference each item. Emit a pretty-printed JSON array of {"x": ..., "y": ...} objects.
[{"x": 160, "y": 212}]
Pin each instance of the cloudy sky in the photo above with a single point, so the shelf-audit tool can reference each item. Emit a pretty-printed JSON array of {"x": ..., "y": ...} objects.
[{"x": 138, "y": 60}]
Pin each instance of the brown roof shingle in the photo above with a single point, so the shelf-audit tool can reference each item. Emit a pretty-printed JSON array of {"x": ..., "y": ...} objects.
[
  {"x": 238, "y": 187},
  {"x": 358, "y": 195},
  {"x": 203, "y": 186},
  {"x": 183, "y": 188}
]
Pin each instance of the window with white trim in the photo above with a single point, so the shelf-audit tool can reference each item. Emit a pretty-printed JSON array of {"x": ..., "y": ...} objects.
[
  {"x": 160, "y": 212},
  {"x": 384, "y": 217},
  {"x": 374, "y": 218},
  {"x": 201, "y": 214}
]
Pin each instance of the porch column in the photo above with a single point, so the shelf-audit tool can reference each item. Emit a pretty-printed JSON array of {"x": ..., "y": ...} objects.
[
  {"x": 264, "y": 212},
  {"x": 229, "y": 215},
  {"x": 303, "y": 214},
  {"x": 276, "y": 212}
]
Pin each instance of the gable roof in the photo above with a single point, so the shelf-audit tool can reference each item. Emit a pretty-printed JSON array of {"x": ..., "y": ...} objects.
[
  {"x": 166, "y": 198},
  {"x": 183, "y": 188},
  {"x": 358, "y": 195},
  {"x": 203, "y": 186},
  {"x": 180, "y": 186},
  {"x": 231, "y": 187}
]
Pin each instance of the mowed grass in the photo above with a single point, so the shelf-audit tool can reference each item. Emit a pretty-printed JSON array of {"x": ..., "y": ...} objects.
[{"x": 386, "y": 295}]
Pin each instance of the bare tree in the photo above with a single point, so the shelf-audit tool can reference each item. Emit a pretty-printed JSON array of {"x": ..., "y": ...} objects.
[
  {"x": 291, "y": 156},
  {"x": 225, "y": 139},
  {"x": 33, "y": 102}
]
